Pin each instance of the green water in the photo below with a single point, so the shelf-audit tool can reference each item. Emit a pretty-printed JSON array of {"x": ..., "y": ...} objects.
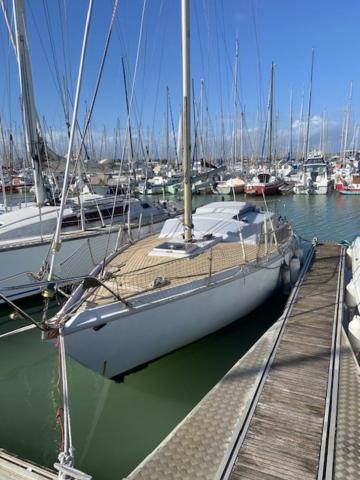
[{"x": 115, "y": 425}]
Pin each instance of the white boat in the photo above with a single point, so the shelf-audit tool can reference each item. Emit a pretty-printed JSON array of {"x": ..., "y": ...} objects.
[
  {"x": 353, "y": 294},
  {"x": 233, "y": 185},
  {"x": 171, "y": 293},
  {"x": 201, "y": 273},
  {"x": 153, "y": 186},
  {"x": 314, "y": 179},
  {"x": 4, "y": 208}
]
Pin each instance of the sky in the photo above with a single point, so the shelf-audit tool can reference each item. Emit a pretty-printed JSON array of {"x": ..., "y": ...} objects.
[{"x": 282, "y": 31}]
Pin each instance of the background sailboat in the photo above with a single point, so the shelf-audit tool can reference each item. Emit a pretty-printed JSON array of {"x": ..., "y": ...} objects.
[{"x": 26, "y": 235}]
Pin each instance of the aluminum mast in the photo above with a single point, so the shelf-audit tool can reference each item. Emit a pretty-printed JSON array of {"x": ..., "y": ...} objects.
[{"x": 186, "y": 146}]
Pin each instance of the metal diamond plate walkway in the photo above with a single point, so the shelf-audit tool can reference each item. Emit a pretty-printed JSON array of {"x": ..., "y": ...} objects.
[
  {"x": 289, "y": 409},
  {"x": 347, "y": 442}
]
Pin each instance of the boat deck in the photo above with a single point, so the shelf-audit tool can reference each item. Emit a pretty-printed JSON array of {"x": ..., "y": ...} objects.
[
  {"x": 134, "y": 272},
  {"x": 289, "y": 409}
]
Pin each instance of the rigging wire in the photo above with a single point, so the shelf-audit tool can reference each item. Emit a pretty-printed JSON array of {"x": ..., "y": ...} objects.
[
  {"x": 160, "y": 69},
  {"x": 227, "y": 56},
  {"x": 228, "y": 59},
  {"x": 99, "y": 76},
  {"x": 65, "y": 60},
  {"x": 260, "y": 81},
  {"x": 55, "y": 76},
  {"x": 199, "y": 38},
  {"x": 127, "y": 126},
  {"x": 5, "y": 96},
  {"x": 56, "y": 239},
  {"x": 54, "y": 58},
  {"x": 148, "y": 85},
  {"x": 173, "y": 128},
  {"x": 92, "y": 105},
  {"x": 219, "y": 70},
  {"x": 10, "y": 45},
  {"x": 66, "y": 29}
]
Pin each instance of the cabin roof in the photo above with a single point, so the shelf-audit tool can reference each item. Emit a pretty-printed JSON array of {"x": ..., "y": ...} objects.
[
  {"x": 220, "y": 219},
  {"x": 230, "y": 208}
]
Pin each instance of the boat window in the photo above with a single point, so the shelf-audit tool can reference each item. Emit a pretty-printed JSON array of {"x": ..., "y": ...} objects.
[
  {"x": 239, "y": 217},
  {"x": 264, "y": 177},
  {"x": 145, "y": 205},
  {"x": 171, "y": 246}
]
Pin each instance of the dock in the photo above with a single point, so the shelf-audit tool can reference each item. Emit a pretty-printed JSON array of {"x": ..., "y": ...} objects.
[
  {"x": 13, "y": 467},
  {"x": 290, "y": 408}
]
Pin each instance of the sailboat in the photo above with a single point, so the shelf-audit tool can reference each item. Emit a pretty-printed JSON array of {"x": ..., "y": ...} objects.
[
  {"x": 265, "y": 183},
  {"x": 314, "y": 179},
  {"x": 26, "y": 234},
  {"x": 202, "y": 272}
]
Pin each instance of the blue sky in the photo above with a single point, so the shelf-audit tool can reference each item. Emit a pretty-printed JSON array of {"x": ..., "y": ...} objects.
[{"x": 282, "y": 31}]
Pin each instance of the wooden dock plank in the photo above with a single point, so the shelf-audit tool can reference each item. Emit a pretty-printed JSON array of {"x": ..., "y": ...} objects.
[
  {"x": 248, "y": 473},
  {"x": 290, "y": 456},
  {"x": 285, "y": 433}
]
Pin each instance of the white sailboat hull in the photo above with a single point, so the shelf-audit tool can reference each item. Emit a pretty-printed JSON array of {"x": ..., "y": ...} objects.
[
  {"x": 127, "y": 340},
  {"x": 17, "y": 264},
  {"x": 353, "y": 294},
  {"x": 354, "y": 334},
  {"x": 78, "y": 255}
]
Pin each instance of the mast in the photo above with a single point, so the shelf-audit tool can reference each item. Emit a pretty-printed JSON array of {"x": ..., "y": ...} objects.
[
  {"x": 309, "y": 109},
  {"x": 323, "y": 135},
  {"x": 347, "y": 120},
  {"x": 195, "y": 158},
  {"x": 129, "y": 122},
  {"x": 176, "y": 163},
  {"x": 356, "y": 139},
  {"x": 257, "y": 139},
  {"x": 179, "y": 141},
  {"x": 234, "y": 153},
  {"x": 202, "y": 154},
  {"x": 300, "y": 131},
  {"x": 271, "y": 101},
  {"x": 2, "y": 180},
  {"x": 290, "y": 126},
  {"x": 167, "y": 125},
  {"x": 186, "y": 150},
  {"x": 242, "y": 140},
  {"x": 33, "y": 141}
]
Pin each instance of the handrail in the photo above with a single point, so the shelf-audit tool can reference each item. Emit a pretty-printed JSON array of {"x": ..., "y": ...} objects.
[{"x": 89, "y": 281}]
